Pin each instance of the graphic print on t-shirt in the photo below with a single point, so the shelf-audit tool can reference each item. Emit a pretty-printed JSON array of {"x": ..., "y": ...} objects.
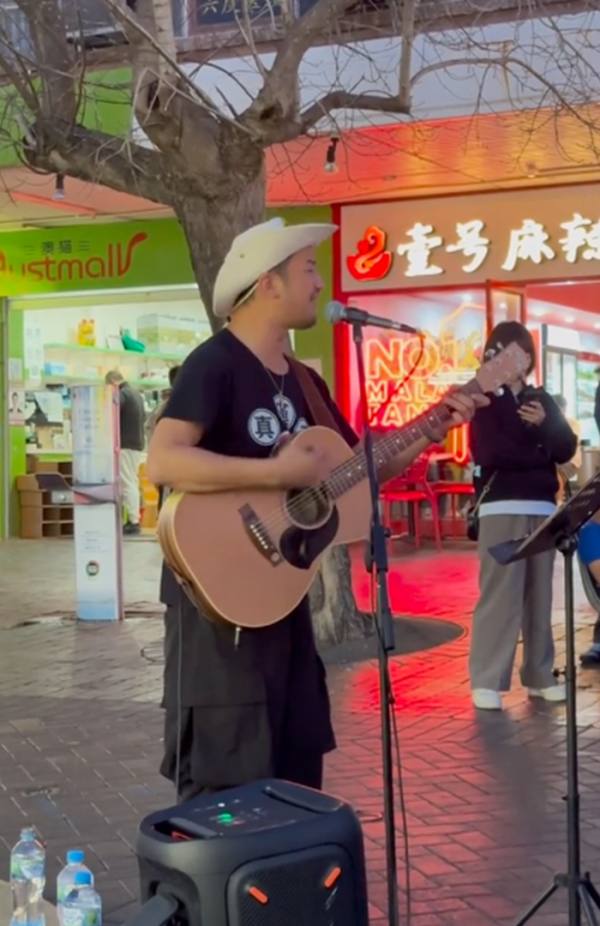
[
  {"x": 264, "y": 427},
  {"x": 286, "y": 410}
]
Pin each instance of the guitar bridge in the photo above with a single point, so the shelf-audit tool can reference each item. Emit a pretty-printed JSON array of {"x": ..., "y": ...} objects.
[{"x": 259, "y": 535}]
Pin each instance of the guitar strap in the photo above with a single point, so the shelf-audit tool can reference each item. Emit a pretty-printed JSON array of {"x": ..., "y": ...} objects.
[{"x": 319, "y": 410}]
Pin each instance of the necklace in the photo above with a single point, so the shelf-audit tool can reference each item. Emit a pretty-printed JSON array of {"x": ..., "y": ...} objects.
[{"x": 279, "y": 399}]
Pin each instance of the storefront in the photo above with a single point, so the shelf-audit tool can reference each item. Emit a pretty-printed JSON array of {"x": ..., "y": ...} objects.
[
  {"x": 453, "y": 267},
  {"x": 79, "y": 302}
]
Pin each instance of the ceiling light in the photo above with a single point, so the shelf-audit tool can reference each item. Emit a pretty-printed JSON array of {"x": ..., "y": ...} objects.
[
  {"x": 597, "y": 325},
  {"x": 503, "y": 305},
  {"x": 538, "y": 312},
  {"x": 569, "y": 319},
  {"x": 467, "y": 298}
]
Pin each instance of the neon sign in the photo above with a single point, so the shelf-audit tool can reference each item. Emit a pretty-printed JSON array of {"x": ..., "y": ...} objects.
[{"x": 445, "y": 361}]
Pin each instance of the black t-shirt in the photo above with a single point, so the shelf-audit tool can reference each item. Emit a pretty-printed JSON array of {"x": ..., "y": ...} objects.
[{"x": 242, "y": 408}]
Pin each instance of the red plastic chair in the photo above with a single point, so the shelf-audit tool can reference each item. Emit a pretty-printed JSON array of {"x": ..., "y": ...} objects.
[
  {"x": 412, "y": 488},
  {"x": 454, "y": 491}
]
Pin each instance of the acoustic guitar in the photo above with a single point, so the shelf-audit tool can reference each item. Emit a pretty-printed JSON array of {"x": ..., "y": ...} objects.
[{"x": 249, "y": 557}]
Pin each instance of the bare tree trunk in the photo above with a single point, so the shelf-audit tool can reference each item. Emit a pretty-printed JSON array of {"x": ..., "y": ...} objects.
[
  {"x": 210, "y": 227},
  {"x": 336, "y": 617}
]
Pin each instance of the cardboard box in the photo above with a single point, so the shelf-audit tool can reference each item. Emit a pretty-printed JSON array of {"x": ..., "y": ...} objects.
[
  {"x": 31, "y": 499},
  {"x": 27, "y": 484}
]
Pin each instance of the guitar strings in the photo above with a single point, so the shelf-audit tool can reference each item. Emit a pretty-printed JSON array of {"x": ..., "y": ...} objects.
[{"x": 343, "y": 476}]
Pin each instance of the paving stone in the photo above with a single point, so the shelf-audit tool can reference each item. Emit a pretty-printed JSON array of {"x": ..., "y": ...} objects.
[{"x": 81, "y": 732}]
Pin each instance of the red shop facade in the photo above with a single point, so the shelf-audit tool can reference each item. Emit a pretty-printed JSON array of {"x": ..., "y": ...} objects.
[{"x": 455, "y": 266}]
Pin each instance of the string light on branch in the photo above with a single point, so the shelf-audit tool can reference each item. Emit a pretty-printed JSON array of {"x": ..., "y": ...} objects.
[
  {"x": 59, "y": 188},
  {"x": 330, "y": 164}
]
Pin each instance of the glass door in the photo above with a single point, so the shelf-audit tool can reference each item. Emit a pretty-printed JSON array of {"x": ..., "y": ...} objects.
[
  {"x": 503, "y": 304},
  {"x": 553, "y": 371}
]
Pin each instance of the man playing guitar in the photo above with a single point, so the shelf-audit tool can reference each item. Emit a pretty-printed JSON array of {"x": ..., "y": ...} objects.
[{"x": 245, "y": 705}]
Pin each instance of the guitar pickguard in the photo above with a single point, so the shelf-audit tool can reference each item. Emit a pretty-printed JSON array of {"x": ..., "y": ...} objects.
[{"x": 301, "y": 547}]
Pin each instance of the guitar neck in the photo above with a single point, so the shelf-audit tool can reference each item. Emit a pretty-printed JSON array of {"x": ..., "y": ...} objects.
[{"x": 349, "y": 474}]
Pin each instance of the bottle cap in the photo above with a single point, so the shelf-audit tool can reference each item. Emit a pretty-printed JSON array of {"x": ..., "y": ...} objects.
[
  {"x": 75, "y": 856},
  {"x": 82, "y": 878}
]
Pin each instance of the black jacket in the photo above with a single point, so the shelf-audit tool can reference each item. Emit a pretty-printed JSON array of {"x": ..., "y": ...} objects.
[
  {"x": 133, "y": 418},
  {"x": 597, "y": 407},
  {"x": 524, "y": 456}
]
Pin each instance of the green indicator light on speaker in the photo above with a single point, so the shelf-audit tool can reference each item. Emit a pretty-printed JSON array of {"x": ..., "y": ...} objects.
[{"x": 225, "y": 818}]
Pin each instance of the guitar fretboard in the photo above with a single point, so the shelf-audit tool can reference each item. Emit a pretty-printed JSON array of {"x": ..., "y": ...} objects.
[{"x": 345, "y": 477}]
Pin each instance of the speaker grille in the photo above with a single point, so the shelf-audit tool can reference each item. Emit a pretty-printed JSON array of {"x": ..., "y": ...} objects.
[{"x": 292, "y": 890}]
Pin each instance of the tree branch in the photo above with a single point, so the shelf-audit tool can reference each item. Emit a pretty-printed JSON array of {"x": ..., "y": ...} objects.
[
  {"x": 53, "y": 56},
  {"x": 95, "y": 157},
  {"x": 406, "y": 49},
  {"x": 278, "y": 100},
  {"x": 140, "y": 36},
  {"x": 343, "y": 99}
]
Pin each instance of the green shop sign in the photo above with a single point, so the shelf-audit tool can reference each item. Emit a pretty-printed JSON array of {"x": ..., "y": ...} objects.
[{"x": 131, "y": 254}]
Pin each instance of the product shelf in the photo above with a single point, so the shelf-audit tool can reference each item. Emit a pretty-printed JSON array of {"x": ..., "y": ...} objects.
[{"x": 117, "y": 352}]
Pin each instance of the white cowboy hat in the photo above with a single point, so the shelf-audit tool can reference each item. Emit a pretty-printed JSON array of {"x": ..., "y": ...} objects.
[{"x": 258, "y": 250}]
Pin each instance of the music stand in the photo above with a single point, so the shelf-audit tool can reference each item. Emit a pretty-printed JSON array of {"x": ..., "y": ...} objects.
[{"x": 560, "y": 532}]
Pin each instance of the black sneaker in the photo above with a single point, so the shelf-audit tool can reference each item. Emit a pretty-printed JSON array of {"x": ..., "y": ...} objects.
[
  {"x": 591, "y": 657},
  {"x": 131, "y": 530}
]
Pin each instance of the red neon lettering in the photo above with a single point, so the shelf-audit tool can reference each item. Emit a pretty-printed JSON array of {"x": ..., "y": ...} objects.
[{"x": 388, "y": 361}]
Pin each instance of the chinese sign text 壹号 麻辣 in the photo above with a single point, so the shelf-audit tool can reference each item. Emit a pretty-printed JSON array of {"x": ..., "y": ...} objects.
[{"x": 424, "y": 247}]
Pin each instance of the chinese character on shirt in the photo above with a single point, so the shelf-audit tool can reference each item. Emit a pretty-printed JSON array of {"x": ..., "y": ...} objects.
[
  {"x": 471, "y": 243},
  {"x": 581, "y": 233},
  {"x": 418, "y": 251},
  {"x": 529, "y": 242}
]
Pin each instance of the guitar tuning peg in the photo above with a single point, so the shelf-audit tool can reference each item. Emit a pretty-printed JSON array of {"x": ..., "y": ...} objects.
[
  {"x": 490, "y": 353},
  {"x": 499, "y": 391}
]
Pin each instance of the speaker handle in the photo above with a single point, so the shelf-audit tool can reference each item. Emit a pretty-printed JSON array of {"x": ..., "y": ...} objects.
[{"x": 305, "y": 799}]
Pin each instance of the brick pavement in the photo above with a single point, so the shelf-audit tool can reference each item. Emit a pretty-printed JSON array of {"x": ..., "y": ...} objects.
[
  {"x": 37, "y": 578},
  {"x": 80, "y": 744}
]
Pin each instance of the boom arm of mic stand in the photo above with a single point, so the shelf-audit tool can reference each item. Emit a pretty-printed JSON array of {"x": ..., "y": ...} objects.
[{"x": 155, "y": 912}]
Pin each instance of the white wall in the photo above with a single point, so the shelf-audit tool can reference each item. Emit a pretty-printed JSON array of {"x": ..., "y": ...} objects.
[{"x": 548, "y": 59}]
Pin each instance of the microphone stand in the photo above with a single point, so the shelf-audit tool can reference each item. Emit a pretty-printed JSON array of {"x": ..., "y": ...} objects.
[{"x": 378, "y": 566}]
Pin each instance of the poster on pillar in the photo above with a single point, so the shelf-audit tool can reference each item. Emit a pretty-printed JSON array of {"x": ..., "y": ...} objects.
[{"x": 98, "y": 536}]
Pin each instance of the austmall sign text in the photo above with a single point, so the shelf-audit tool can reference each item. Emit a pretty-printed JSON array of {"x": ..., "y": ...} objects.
[
  {"x": 548, "y": 234},
  {"x": 61, "y": 261}
]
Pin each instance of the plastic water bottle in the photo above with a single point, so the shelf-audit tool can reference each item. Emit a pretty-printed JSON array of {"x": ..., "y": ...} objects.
[
  {"x": 66, "y": 879},
  {"x": 27, "y": 880},
  {"x": 82, "y": 906}
]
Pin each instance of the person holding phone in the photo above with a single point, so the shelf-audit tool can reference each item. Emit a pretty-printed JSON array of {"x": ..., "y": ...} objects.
[{"x": 518, "y": 442}]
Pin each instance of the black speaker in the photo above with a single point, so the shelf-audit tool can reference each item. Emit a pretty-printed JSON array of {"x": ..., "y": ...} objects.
[{"x": 265, "y": 854}]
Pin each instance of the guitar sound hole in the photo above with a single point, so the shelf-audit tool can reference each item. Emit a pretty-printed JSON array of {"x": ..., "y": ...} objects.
[{"x": 308, "y": 508}]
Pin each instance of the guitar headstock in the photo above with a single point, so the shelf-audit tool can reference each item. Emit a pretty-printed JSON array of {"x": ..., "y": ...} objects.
[{"x": 506, "y": 366}]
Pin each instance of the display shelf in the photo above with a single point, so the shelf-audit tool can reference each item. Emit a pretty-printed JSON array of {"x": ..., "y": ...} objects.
[
  {"x": 40, "y": 515},
  {"x": 62, "y": 379},
  {"x": 118, "y": 352}
]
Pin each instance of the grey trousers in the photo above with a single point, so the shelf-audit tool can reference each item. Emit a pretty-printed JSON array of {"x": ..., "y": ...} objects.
[{"x": 513, "y": 599}]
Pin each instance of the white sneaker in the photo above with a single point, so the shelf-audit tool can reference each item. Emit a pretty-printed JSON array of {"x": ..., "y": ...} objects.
[
  {"x": 485, "y": 699},
  {"x": 555, "y": 693}
]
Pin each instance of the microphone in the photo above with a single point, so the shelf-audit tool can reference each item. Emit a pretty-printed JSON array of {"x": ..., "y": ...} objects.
[{"x": 336, "y": 312}]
